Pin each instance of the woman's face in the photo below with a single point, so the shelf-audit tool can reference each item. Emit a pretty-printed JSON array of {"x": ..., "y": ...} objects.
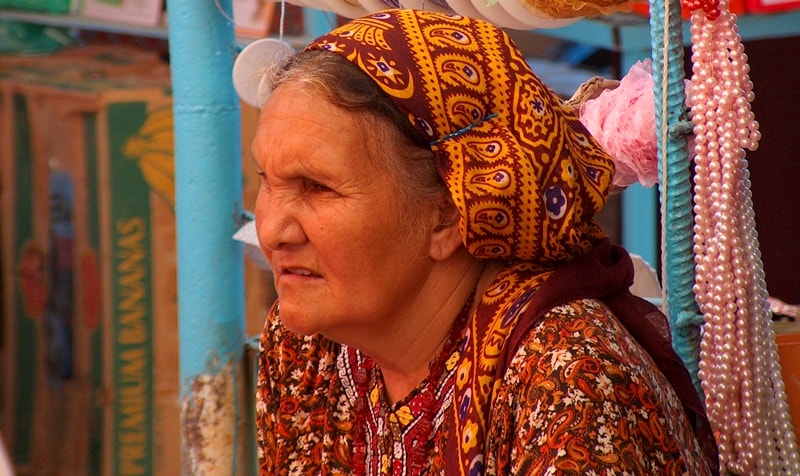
[{"x": 345, "y": 263}]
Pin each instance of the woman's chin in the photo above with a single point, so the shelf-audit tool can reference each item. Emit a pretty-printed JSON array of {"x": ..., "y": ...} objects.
[
  {"x": 303, "y": 319},
  {"x": 299, "y": 323}
]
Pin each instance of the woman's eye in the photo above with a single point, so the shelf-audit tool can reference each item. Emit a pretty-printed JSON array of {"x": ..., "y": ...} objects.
[
  {"x": 261, "y": 174},
  {"x": 316, "y": 187},
  {"x": 263, "y": 180}
]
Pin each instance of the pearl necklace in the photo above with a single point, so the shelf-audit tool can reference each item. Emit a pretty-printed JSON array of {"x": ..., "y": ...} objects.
[{"x": 739, "y": 369}]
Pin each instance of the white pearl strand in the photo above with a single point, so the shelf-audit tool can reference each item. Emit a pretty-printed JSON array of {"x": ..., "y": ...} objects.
[{"x": 739, "y": 368}]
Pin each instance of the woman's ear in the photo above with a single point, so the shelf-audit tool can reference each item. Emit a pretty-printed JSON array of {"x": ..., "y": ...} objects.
[{"x": 446, "y": 236}]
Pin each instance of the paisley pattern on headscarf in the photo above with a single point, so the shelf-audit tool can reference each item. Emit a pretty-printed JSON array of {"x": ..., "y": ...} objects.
[
  {"x": 526, "y": 176},
  {"x": 523, "y": 171}
]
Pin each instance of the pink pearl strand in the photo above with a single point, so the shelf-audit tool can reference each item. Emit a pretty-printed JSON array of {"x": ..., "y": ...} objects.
[{"x": 739, "y": 368}]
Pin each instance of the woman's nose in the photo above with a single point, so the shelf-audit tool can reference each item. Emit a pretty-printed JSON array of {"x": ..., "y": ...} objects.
[{"x": 277, "y": 222}]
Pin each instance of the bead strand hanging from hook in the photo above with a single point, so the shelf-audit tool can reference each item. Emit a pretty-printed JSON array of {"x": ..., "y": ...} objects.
[{"x": 739, "y": 367}]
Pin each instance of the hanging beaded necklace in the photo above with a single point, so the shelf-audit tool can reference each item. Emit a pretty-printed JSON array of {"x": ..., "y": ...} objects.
[
  {"x": 739, "y": 368},
  {"x": 397, "y": 439}
]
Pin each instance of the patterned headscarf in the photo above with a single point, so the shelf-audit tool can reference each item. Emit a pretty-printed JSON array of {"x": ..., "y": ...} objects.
[
  {"x": 524, "y": 173},
  {"x": 526, "y": 176}
]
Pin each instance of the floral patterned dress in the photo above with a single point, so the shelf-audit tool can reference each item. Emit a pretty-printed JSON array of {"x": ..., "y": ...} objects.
[{"x": 580, "y": 397}]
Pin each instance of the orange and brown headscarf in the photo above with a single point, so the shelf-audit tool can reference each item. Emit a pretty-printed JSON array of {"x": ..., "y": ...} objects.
[
  {"x": 526, "y": 176},
  {"x": 524, "y": 173}
]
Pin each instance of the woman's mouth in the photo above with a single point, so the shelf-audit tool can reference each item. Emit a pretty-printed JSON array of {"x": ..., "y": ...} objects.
[{"x": 300, "y": 272}]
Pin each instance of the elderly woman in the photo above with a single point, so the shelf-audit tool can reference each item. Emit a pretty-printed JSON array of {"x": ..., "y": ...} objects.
[{"x": 447, "y": 305}]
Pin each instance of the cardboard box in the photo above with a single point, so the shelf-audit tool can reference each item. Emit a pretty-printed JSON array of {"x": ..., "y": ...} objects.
[
  {"x": 787, "y": 336},
  {"x": 90, "y": 376},
  {"x": 136, "y": 12},
  {"x": 253, "y": 18},
  {"x": 73, "y": 65}
]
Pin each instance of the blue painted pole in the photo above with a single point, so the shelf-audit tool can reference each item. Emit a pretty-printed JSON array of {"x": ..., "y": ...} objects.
[
  {"x": 639, "y": 227},
  {"x": 210, "y": 264},
  {"x": 672, "y": 128},
  {"x": 317, "y": 22}
]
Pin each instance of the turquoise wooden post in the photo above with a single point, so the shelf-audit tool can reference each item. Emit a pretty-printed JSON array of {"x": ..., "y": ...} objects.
[
  {"x": 674, "y": 176},
  {"x": 210, "y": 263},
  {"x": 639, "y": 227},
  {"x": 317, "y": 22}
]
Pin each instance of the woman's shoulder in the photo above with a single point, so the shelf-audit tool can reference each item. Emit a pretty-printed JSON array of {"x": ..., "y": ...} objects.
[
  {"x": 302, "y": 416},
  {"x": 583, "y": 330},
  {"x": 579, "y": 374}
]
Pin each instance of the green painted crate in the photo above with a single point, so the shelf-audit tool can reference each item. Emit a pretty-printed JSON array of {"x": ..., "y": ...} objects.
[{"x": 50, "y": 6}]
